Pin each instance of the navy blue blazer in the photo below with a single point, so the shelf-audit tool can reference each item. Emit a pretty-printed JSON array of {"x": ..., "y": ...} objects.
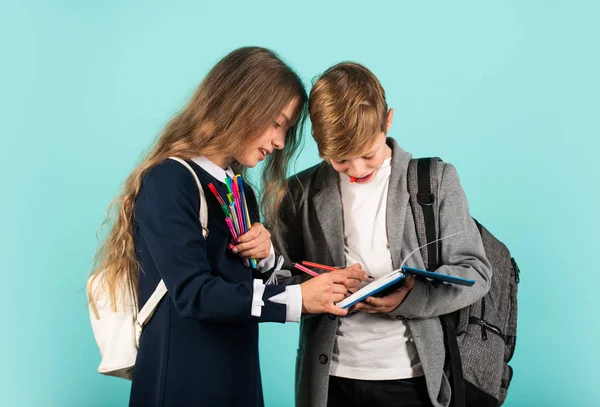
[{"x": 201, "y": 346}]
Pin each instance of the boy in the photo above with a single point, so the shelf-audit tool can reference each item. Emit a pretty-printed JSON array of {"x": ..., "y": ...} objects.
[{"x": 354, "y": 207}]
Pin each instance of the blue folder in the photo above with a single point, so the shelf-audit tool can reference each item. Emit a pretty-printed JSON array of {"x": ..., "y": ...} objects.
[{"x": 397, "y": 282}]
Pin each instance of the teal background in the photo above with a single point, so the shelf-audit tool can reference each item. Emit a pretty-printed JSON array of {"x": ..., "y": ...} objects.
[{"x": 506, "y": 91}]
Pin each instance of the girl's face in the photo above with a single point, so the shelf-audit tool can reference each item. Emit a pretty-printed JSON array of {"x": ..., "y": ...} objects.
[{"x": 273, "y": 138}]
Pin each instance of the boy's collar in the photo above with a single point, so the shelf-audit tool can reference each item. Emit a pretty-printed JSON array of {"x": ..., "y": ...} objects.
[{"x": 400, "y": 158}]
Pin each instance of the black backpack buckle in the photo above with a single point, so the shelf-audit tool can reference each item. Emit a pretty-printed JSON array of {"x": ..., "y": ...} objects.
[{"x": 425, "y": 198}]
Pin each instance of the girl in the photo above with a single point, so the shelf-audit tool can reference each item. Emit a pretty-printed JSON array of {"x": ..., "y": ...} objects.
[{"x": 201, "y": 345}]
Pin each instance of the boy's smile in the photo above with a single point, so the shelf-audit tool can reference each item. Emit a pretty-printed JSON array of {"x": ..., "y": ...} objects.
[
  {"x": 361, "y": 180},
  {"x": 363, "y": 168}
]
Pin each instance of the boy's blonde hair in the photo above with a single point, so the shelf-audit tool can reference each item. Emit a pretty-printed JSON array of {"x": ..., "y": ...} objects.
[{"x": 347, "y": 109}]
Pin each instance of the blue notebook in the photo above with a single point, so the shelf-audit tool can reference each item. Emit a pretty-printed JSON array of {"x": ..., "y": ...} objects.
[{"x": 385, "y": 285}]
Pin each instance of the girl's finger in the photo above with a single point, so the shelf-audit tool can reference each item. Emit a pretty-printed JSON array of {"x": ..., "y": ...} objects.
[
  {"x": 257, "y": 252},
  {"x": 252, "y": 234}
]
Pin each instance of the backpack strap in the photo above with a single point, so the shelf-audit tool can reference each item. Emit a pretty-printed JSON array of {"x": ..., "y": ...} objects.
[
  {"x": 423, "y": 187},
  {"x": 203, "y": 206},
  {"x": 148, "y": 309}
]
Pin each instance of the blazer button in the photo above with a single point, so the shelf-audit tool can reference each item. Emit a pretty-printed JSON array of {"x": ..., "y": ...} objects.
[
  {"x": 323, "y": 359},
  {"x": 332, "y": 317}
]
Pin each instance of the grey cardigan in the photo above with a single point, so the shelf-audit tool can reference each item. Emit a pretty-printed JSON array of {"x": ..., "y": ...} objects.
[{"x": 311, "y": 228}]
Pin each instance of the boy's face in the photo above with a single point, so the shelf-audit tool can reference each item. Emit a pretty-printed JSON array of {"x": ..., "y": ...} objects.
[{"x": 362, "y": 169}]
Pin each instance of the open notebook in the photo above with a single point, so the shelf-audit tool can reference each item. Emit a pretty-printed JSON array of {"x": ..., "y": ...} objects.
[{"x": 385, "y": 285}]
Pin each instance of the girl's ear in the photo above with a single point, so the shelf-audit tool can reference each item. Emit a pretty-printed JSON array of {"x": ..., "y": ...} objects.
[{"x": 388, "y": 121}]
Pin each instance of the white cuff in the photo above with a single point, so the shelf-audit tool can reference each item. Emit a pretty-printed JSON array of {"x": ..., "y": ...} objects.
[
  {"x": 267, "y": 263},
  {"x": 257, "y": 302},
  {"x": 292, "y": 298}
]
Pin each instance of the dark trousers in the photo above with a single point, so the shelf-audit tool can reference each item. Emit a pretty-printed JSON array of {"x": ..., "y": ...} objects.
[{"x": 377, "y": 393}]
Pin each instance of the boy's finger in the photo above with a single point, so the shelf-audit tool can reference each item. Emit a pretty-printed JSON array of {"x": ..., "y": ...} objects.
[
  {"x": 370, "y": 309},
  {"x": 409, "y": 282},
  {"x": 376, "y": 302}
]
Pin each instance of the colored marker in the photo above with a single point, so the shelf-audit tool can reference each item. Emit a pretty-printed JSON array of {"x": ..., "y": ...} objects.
[
  {"x": 244, "y": 207},
  {"x": 319, "y": 266},
  {"x": 235, "y": 219},
  {"x": 221, "y": 202},
  {"x": 245, "y": 212},
  {"x": 313, "y": 273},
  {"x": 327, "y": 268},
  {"x": 236, "y": 199},
  {"x": 228, "y": 183},
  {"x": 306, "y": 270},
  {"x": 231, "y": 228}
]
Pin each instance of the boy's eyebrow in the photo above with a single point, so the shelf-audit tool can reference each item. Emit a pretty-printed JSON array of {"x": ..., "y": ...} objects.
[{"x": 372, "y": 151}]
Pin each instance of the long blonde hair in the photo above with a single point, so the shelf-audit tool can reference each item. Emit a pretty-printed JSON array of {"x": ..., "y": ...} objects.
[{"x": 237, "y": 101}]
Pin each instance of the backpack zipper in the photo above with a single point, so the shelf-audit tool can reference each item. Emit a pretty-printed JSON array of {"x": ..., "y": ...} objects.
[
  {"x": 485, "y": 326},
  {"x": 517, "y": 271}
]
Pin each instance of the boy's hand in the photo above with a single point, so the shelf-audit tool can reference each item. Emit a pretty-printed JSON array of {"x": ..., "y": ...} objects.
[
  {"x": 373, "y": 305},
  {"x": 255, "y": 244},
  {"x": 355, "y": 276}
]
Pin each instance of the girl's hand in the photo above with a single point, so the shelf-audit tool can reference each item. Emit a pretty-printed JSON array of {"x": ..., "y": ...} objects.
[
  {"x": 355, "y": 275},
  {"x": 373, "y": 305},
  {"x": 255, "y": 244},
  {"x": 319, "y": 294}
]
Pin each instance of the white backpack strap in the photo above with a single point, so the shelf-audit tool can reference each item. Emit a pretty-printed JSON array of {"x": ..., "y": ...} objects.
[
  {"x": 148, "y": 309},
  {"x": 203, "y": 206}
]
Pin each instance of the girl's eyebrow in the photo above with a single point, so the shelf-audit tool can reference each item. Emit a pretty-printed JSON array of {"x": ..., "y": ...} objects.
[{"x": 284, "y": 116}]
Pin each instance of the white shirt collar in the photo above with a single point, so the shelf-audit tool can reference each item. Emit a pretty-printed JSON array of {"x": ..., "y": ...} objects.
[{"x": 213, "y": 169}]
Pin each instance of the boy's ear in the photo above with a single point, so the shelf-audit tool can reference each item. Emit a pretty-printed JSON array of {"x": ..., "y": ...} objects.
[{"x": 388, "y": 121}]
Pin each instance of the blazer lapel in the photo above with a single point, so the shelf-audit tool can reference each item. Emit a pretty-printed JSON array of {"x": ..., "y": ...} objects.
[
  {"x": 397, "y": 201},
  {"x": 328, "y": 206}
]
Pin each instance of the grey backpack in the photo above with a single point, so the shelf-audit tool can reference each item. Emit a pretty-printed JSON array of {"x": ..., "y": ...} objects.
[{"x": 480, "y": 339}]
